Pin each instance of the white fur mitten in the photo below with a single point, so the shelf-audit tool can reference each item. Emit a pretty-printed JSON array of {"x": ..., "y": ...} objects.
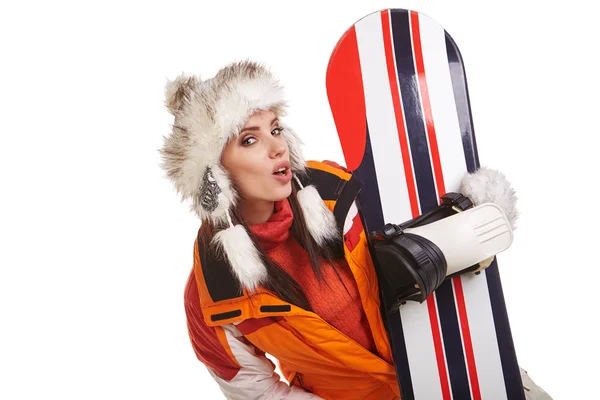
[{"x": 491, "y": 186}]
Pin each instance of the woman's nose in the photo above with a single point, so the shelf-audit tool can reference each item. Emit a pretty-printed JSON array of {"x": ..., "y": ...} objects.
[{"x": 278, "y": 147}]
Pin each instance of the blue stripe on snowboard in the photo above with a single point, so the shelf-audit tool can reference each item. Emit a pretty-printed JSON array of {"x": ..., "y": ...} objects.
[
  {"x": 461, "y": 99},
  {"x": 508, "y": 357},
  {"x": 369, "y": 201},
  {"x": 412, "y": 109},
  {"x": 455, "y": 357},
  {"x": 428, "y": 198},
  {"x": 369, "y": 197}
]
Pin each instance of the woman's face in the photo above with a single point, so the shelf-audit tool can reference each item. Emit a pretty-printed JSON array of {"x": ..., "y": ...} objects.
[{"x": 258, "y": 160}]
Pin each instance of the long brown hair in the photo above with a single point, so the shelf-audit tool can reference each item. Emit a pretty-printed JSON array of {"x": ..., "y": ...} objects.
[{"x": 279, "y": 281}]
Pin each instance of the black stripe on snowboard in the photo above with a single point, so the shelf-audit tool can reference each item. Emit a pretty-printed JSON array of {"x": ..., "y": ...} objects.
[
  {"x": 369, "y": 202},
  {"x": 508, "y": 357},
  {"x": 412, "y": 110},
  {"x": 428, "y": 198},
  {"x": 369, "y": 197},
  {"x": 461, "y": 99}
]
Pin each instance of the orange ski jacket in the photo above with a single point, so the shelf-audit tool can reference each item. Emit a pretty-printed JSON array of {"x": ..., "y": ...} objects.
[{"x": 231, "y": 329}]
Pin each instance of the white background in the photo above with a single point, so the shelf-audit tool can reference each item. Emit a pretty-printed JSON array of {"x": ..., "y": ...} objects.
[{"x": 95, "y": 247}]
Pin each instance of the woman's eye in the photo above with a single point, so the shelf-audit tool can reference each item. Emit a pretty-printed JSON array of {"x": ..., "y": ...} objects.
[
  {"x": 248, "y": 141},
  {"x": 276, "y": 131}
]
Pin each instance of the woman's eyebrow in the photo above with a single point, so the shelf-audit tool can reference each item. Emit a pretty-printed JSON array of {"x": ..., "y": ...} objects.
[{"x": 256, "y": 128}]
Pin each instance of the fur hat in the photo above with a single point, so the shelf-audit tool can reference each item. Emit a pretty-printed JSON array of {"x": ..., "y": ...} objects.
[{"x": 207, "y": 115}]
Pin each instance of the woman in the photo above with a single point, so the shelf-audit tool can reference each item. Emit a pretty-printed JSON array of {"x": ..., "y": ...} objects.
[{"x": 278, "y": 269}]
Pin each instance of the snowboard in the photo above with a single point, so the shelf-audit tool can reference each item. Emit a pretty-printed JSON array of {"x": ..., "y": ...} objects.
[{"x": 398, "y": 94}]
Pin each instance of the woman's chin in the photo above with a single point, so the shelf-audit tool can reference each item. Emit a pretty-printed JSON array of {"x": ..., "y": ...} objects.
[{"x": 281, "y": 193}]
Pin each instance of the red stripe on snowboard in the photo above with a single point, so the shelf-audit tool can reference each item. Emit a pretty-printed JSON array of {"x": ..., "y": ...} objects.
[
  {"x": 412, "y": 193},
  {"x": 439, "y": 349},
  {"x": 466, "y": 331},
  {"x": 402, "y": 136},
  {"x": 439, "y": 179},
  {"x": 347, "y": 100},
  {"x": 433, "y": 146},
  {"x": 353, "y": 235}
]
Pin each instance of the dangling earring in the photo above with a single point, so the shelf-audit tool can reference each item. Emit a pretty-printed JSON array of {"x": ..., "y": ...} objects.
[{"x": 209, "y": 192}]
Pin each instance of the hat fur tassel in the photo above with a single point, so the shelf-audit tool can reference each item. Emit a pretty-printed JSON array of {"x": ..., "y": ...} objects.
[
  {"x": 320, "y": 221},
  {"x": 242, "y": 255}
]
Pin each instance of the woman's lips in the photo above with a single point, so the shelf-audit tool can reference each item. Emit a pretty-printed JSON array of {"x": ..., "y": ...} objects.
[{"x": 284, "y": 177}]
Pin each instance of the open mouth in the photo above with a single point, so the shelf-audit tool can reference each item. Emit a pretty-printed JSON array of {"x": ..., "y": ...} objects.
[
  {"x": 282, "y": 168},
  {"x": 281, "y": 171}
]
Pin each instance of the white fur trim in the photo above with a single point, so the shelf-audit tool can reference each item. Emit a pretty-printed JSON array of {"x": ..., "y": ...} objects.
[
  {"x": 319, "y": 219},
  {"x": 489, "y": 185},
  {"x": 240, "y": 98},
  {"x": 242, "y": 255},
  {"x": 294, "y": 148}
]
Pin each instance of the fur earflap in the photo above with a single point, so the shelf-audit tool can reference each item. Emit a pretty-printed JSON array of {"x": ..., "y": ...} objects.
[
  {"x": 490, "y": 186},
  {"x": 295, "y": 144},
  {"x": 177, "y": 90},
  {"x": 242, "y": 255},
  {"x": 319, "y": 219}
]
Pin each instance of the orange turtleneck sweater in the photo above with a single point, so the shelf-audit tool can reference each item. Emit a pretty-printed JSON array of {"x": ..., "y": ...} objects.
[{"x": 328, "y": 299}]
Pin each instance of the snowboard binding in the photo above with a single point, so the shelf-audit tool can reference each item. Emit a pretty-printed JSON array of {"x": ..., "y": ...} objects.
[{"x": 416, "y": 257}]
